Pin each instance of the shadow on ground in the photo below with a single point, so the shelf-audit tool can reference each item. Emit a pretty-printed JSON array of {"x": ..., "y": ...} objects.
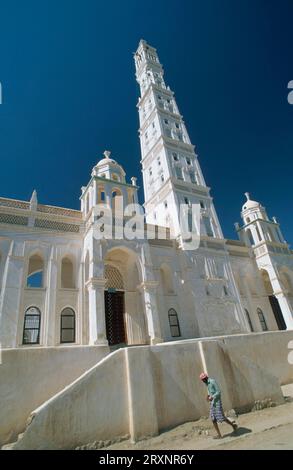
[{"x": 239, "y": 432}]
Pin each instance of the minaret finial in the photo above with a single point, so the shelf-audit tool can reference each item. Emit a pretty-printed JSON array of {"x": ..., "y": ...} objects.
[
  {"x": 247, "y": 196},
  {"x": 34, "y": 197},
  {"x": 107, "y": 154},
  {"x": 34, "y": 200}
]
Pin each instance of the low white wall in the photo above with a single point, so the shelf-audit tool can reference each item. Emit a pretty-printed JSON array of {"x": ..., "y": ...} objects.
[
  {"x": 268, "y": 350},
  {"x": 142, "y": 390},
  {"x": 93, "y": 407},
  {"x": 30, "y": 376}
]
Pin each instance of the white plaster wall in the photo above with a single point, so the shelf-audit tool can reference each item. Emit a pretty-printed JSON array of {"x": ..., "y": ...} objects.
[
  {"x": 142, "y": 390},
  {"x": 30, "y": 376},
  {"x": 93, "y": 407}
]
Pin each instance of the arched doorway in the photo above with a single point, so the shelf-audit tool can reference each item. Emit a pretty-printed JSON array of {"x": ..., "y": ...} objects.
[
  {"x": 114, "y": 306},
  {"x": 273, "y": 300},
  {"x": 124, "y": 309}
]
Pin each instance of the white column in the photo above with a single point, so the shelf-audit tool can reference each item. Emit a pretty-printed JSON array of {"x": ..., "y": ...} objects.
[
  {"x": 50, "y": 304},
  {"x": 148, "y": 289},
  {"x": 11, "y": 295},
  {"x": 97, "y": 321}
]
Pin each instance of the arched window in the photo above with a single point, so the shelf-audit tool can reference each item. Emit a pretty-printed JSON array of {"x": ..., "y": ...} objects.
[
  {"x": 174, "y": 323},
  {"x": 116, "y": 192},
  {"x": 249, "y": 320},
  {"x": 67, "y": 327},
  {"x": 32, "y": 324},
  {"x": 35, "y": 272},
  {"x": 67, "y": 274},
  {"x": 262, "y": 320}
]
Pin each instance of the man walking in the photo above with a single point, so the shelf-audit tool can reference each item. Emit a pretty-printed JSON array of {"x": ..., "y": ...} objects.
[{"x": 216, "y": 410}]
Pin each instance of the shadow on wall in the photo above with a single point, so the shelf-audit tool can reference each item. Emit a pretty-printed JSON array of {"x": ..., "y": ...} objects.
[
  {"x": 179, "y": 394},
  {"x": 242, "y": 381}
]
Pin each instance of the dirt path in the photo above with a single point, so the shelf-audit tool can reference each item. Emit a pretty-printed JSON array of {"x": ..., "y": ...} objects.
[{"x": 271, "y": 428}]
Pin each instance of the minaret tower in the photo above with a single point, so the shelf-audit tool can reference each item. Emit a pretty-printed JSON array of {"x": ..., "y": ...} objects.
[
  {"x": 273, "y": 257},
  {"x": 171, "y": 172}
]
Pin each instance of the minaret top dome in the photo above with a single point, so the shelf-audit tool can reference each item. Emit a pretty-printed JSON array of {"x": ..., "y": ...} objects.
[
  {"x": 250, "y": 204},
  {"x": 109, "y": 168}
]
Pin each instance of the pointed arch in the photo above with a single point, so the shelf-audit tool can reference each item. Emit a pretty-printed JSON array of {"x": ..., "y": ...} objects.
[
  {"x": 113, "y": 278},
  {"x": 67, "y": 273},
  {"x": 167, "y": 279},
  {"x": 35, "y": 273}
]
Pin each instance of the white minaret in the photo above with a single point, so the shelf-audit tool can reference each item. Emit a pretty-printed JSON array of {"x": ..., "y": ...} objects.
[
  {"x": 273, "y": 258},
  {"x": 171, "y": 172}
]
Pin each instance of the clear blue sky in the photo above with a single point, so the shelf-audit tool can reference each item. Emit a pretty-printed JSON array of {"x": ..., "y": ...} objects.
[{"x": 69, "y": 90}]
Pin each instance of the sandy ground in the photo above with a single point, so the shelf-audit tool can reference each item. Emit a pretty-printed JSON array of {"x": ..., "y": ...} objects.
[{"x": 271, "y": 428}]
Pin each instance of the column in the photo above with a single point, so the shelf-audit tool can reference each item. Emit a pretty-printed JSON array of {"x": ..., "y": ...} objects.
[
  {"x": 50, "y": 304},
  {"x": 11, "y": 295},
  {"x": 97, "y": 321},
  {"x": 149, "y": 292}
]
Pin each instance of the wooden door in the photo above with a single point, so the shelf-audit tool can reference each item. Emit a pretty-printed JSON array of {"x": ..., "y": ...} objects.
[{"x": 114, "y": 311}]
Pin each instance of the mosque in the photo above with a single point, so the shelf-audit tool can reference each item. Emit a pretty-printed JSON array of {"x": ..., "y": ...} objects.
[{"x": 61, "y": 284}]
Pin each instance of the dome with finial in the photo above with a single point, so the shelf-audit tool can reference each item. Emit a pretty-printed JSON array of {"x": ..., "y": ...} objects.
[
  {"x": 250, "y": 204},
  {"x": 108, "y": 168}
]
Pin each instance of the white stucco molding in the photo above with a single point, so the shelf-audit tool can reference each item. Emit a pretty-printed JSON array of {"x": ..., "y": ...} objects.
[{"x": 95, "y": 282}]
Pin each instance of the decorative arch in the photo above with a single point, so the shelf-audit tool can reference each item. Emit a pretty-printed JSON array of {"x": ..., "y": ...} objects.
[
  {"x": 267, "y": 282},
  {"x": 113, "y": 278},
  {"x": 116, "y": 192},
  {"x": 167, "y": 279},
  {"x": 124, "y": 305},
  {"x": 35, "y": 273},
  {"x": 67, "y": 273}
]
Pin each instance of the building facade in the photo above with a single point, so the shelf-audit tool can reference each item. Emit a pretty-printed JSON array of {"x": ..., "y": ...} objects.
[{"x": 62, "y": 284}]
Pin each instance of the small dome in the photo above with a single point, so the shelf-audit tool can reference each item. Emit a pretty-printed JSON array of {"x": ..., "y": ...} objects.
[
  {"x": 250, "y": 204},
  {"x": 108, "y": 161},
  {"x": 108, "y": 168}
]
